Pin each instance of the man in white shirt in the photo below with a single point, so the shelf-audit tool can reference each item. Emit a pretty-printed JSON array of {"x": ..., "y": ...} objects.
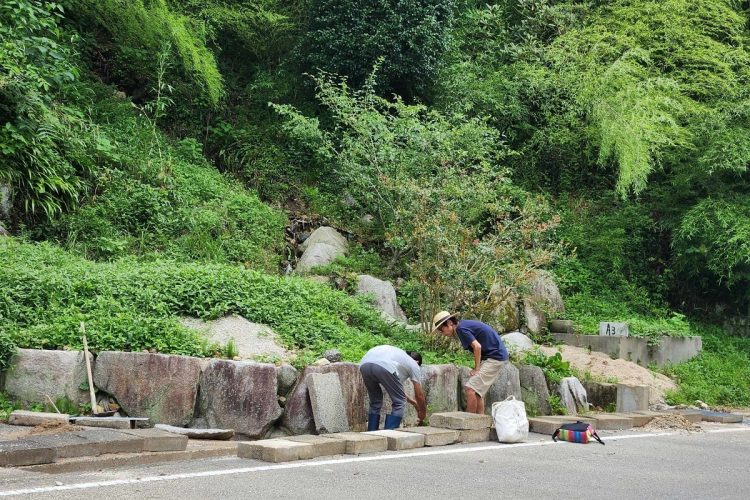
[{"x": 390, "y": 367}]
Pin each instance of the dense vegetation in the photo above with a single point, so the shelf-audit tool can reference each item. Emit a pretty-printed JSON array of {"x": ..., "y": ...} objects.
[{"x": 154, "y": 150}]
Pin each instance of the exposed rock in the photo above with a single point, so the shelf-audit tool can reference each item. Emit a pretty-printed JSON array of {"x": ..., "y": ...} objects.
[
  {"x": 573, "y": 395},
  {"x": 160, "y": 387},
  {"x": 384, "y": 295},
  {"x": 505, "y": 316},
  {"x": 534, "y": 390},
  {"x": 5, "y": 205},
  {"x": 3, "y": 231},
  {"x": 240, "y": 396},
  {"x": 36, "y": 374},
  {"x": 286, "y": 377},
  {"x": 507, "y": 384},
  {"x": 218, "y": 434},
  {"x": 332, "y": 355},
  {"x": 544, "y": 290},
  {"x": 534, "y": 316},
  {"x": 561, "y": 326},
  {"x": 326, "y": 235},
  {"x": 250, "y": 339},
  {"x": 321, "y": 362},
  {"x": 517, "y": 342},
  {"x": 298, "y": 417}
]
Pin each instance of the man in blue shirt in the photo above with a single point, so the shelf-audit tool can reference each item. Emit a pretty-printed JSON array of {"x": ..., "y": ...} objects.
[{"x": 489, "y": 352}]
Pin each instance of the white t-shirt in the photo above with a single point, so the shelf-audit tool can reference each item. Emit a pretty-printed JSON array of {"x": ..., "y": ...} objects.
[{"x": 394, "y": 360}]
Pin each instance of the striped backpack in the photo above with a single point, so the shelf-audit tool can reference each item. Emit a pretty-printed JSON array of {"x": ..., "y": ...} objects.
[{"x": 578, "y": 432}]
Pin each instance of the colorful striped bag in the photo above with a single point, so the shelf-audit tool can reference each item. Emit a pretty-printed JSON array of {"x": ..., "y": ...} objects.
[{"x": 578, "y": 432}]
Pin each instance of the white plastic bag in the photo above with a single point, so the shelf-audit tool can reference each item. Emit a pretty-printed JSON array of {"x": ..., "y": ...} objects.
[{"x": 510, "y": 420}]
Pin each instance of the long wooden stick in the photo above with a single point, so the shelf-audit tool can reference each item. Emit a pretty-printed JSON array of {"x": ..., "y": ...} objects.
[{"x": 88, "y": 369}]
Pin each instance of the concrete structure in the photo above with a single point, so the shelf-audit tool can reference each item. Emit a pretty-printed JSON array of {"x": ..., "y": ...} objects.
[
  {"x": 561, "y": 326},
  {"x": 474, "y": 435},
  {"x": 613, "y": 329},
  {"x": 548, "y": 424},
  {"x": 460, "y": 420},
  {"x": 17, "y": 453},
  {"x": 191, "y": 433},
  {"x": 358, "y": 443},
  {"x": 399, "y": 440},
  {"x": 322, "y": 447},
  {"x": 327, "y": 402},
  {"x": 632, "y": 397},
  {"x": 32, "y": 418},
  {"x": 275, "y": 450},
  {"x": 600, "y": 394},
  {"x": 721, "y": 417},
  {"x": 669, "y": 350},
  {"x": 611, "y": 421},
  {"x": 435, "y": 436},
  {"x": 159, "y": 440}
]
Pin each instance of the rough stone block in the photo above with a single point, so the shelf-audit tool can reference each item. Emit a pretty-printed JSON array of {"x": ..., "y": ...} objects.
[
  {"x": 239, "y": 395},
  {"x": 612, "y": 422},
  {"x": 66, "y": 445},
  {"x": 323, "y": 447},
  {"x": 398, "y": 440},
  {"x": 534, "y": 390},
  {"x": 17, "y": 453},
  {"x": 632, "y": 397},
  {"x": 460, "y": 420},
  {"x": 163, "y": 388},
  {"x": 327, "y": 401},
  {"x": 474, "y": 435},
  {"x": 107, "y": 422},
  {"x": 105, "y": 441},
  {"x": 158, "y": 440},
  {"x": 548, "y": 424},
  {"x": 275, "y": 450},
  {"x": 435, "y": 436},
  {"x": 358, "y": 443},
  {"x": 721, "y": 417},
  {"x": 31, "y": 418},
  {"x": 217, "y": 434},
  {"x": 35, "y": 374},
  {"x": 601, "y": 394}
]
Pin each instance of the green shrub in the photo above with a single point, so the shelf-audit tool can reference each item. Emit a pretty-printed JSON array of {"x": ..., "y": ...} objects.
[{"x": 554, "y": 368}]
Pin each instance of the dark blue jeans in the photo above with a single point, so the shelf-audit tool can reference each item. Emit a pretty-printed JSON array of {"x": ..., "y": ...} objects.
[{"x": 375, "y": 376}]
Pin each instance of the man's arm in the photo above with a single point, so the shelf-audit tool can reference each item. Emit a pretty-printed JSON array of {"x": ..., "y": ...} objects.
[
  {"x": 420, "y": 402},
  {"x": 477, "y": 348}
]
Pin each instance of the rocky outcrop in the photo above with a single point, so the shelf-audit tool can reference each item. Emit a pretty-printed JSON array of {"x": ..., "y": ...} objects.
[
  {"x": 534, "y": 390},
  {"x": 573, "y": 395},
  {"x": 286, "y": 377},
  {"x": 239, "y": 395},
  {"x": 161, "y": 387},
  {"x": 321, "y": 248},
  {"x": 517, "y": 342},
  {"x": 249, "y": 339},
  {"x": 384, "y": 296},
  {"x": 298, "y": 416},
  {"x": 543, "y": 301},
  {"x": 36, "y": 374},
  {"x": 505, "y": 315}
]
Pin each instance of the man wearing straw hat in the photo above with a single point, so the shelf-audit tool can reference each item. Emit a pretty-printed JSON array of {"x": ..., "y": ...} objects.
[{"x": 489, "y": 352}]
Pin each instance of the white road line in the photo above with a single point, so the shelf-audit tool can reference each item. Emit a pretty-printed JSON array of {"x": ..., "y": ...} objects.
[{"x": 297, "y": 465}]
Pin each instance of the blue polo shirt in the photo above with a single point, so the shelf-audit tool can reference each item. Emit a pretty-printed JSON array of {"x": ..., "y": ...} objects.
[{"x": 492, "y": 345}]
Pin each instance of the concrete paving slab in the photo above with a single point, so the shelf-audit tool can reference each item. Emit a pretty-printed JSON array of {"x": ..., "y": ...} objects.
[
  {"x": 104, "y": 441},
  {"x": 218, "y": 434},
  {"x": 435, "y": 436},
  {"x": 358, "y": 443},
  {"x": 542, "y": 425},
  {"x": 275, "y": 450},
  {"x": 323, "y": 447},
  {"x": 460, "y": 420},
  {"x": 66, "y": 444},
  {"x": 692, "y": 416},
  {"x": 32, "y": 418},
  {"x": 640, "y": 418},
  {"x": 474, "y": 435},
  {"x": 399, "y": 440},
  {"x": 24, "y": 452},
  {"x": 612, "y": 422},
  {"x": 721, "y": 417},
  {"x": 109, "y": 422},
  {"x": 159, "y": 440}
]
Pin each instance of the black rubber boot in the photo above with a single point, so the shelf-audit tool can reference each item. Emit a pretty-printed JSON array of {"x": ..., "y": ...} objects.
[
  {"x": 373, "y": 422},
  {"x": 392, "y": 422}
]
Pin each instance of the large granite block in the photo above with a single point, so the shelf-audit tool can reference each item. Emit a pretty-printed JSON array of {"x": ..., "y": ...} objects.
[
  {"x": 632, "y": 397},
  {"x": 24, "y": 452},
  {"x": 474, "y": 435},
  {"x": 612, "y": 422},
  {"x": 327, "y": 401},
  {"x": 435, "y": 436},
  {"x": 32, "y": 418},
  {"x": 358, "y": 443},
  {"x": 275, "y": 450},
  {"x": 35, "y": 374},
  {"x": 323, "y": 447},
  {"x": 460, "y": 420},
  {"x": 398, "y": 440}
]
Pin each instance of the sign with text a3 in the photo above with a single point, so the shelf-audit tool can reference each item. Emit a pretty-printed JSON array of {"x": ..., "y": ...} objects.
[{"x": 608, "y": 329}]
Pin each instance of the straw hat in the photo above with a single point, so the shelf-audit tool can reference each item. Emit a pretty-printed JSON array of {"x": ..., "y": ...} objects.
[{"x": 441, "y": 318}]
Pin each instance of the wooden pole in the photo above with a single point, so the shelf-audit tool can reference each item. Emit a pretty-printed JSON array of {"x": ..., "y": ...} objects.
[{"x": 88, "y": 370}]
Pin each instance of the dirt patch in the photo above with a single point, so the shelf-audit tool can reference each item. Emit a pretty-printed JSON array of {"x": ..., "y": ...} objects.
[
  {"x": 672, "y": 421},
  {"x": 601, "y": 366},
  {"x": 43, "y": 430}
]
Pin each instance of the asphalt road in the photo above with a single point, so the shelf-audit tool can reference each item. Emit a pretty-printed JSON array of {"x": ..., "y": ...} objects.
[{"x": 710, "y": 465}]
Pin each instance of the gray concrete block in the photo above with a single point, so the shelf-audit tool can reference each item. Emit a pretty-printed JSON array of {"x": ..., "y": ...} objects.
[
  {"x": 275, "y": 450},
  {"x": 17, "y": 453},
  {"x": 323, "y": 447},
  {"x": 105, "y": 441},
  {"x": 358, "y": 443},
  {"x": 327, "y": 401},
  {"x": 610, "y": 421},
  {"x": 640, "y": 418},
  {"x": 159, "y": 440},
  {"x": 32, "y": 418},
  {"x": 435, "y": 436},
  {"x": 460, "y": 420},
  {"x": 632, "y": 397},
  {"x": 106, "y": 422},
  {"x": 66, "y": 445},
  {"x": 398, "y": 440},
  {"x": 721, "y": 417},
  {"x": 474, "y": 435},
  {"x": 549, "y": 424},
  {"x": 692, "y": 416},
  {"x": 217, "y": 434}
]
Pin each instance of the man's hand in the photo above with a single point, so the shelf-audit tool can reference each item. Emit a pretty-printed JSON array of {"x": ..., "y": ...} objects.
[
  {"x": 421, "y": 404},
  {"x": 474, "y": 371},
  {"x": 411, "y": 401}
]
